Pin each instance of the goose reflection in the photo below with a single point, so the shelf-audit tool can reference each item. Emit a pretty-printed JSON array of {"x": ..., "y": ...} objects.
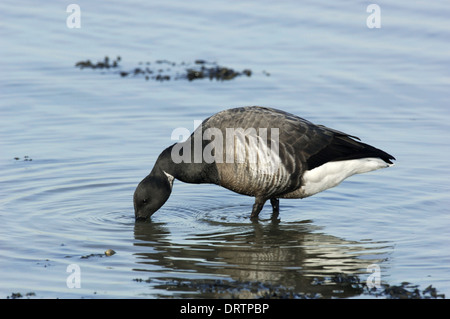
[{"x": 295, "y": 255}]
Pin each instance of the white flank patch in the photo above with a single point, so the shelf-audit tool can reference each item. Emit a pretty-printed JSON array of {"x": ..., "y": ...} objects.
[
  {"x": 252, "y": 149},
  {"x": 332, "y": 173}
]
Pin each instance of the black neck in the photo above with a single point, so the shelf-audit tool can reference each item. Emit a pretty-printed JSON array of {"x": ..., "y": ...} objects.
[{"x": 186, "y": 172}]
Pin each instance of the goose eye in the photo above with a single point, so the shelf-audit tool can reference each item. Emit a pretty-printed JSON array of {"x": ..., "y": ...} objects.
[{"x": 145, "y": 201}]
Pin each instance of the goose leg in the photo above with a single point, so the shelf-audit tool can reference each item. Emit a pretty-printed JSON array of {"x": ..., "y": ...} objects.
[
  {"x": 257, "y": 207},
  {"x": 275, "y": 207}
]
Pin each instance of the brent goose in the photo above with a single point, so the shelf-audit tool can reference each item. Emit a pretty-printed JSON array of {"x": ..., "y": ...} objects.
[{"x": 260, "y": 152}]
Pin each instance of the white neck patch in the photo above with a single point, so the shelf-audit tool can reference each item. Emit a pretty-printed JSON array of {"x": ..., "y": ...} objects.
[{"x": 170, "y": 178}]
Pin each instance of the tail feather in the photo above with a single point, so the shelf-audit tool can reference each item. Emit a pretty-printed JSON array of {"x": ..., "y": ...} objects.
[{"x": 344, "y": 147}]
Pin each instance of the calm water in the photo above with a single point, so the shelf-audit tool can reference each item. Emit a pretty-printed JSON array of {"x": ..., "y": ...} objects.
[{"x": 75, "y": 143}]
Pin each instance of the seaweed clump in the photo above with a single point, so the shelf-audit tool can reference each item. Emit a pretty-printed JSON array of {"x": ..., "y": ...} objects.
[
  {"x": 104, "y": 64},
  {"x": 213, "y": 72},
  {"x": 164, "y": 70}
]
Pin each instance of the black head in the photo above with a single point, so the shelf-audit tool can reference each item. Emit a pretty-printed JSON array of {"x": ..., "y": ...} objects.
[{"x": 151, "y": 193}]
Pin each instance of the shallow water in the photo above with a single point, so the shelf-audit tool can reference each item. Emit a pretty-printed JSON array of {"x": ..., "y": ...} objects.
[{"x": 75, "y": 143}]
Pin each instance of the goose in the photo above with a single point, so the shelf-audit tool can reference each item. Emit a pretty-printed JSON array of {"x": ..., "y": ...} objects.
[{"x": 260, "y": 152}]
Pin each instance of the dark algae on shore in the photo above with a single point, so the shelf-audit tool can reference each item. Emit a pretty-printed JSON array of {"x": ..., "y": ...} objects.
[
  {"x": 164, "y": 70},
  {"x": 224, "y": 289},
  {"x": 334, "y": 286}
]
